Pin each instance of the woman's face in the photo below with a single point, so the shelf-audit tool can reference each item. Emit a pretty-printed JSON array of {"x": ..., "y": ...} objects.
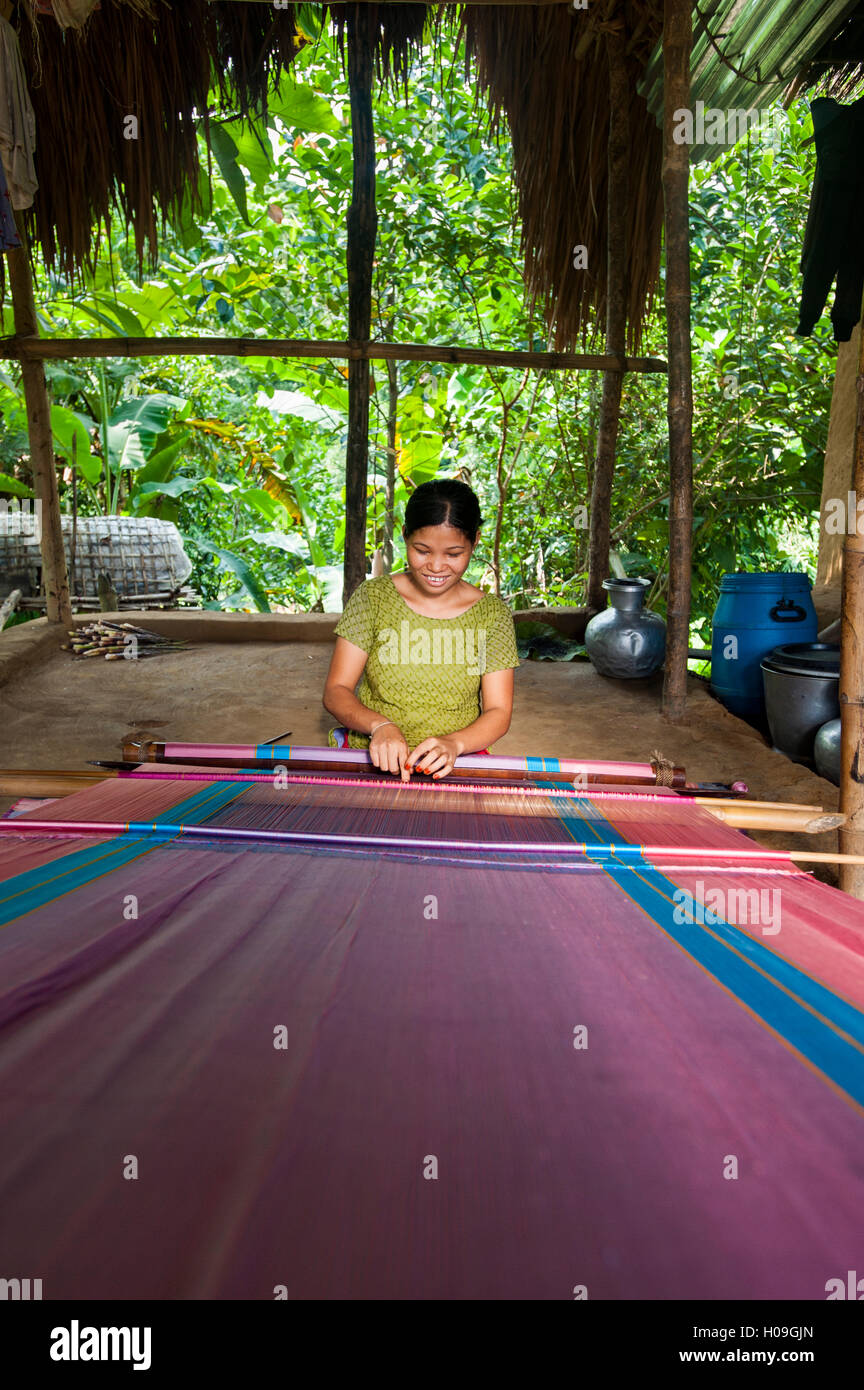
[{"x": 437, "y": 557}]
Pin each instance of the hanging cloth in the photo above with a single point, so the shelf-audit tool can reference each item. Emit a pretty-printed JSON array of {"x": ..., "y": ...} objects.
[
  {"x": 833, "y": 245},
  {"x": 8, "y": 231},
  {"x": 17, "y": 121}
]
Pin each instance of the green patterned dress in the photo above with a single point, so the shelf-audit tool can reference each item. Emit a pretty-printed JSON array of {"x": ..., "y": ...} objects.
[{"x": 424, "y": 673}]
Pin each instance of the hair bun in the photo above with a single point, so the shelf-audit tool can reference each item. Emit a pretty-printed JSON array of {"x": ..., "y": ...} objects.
[{"x": 444, "y": 502}]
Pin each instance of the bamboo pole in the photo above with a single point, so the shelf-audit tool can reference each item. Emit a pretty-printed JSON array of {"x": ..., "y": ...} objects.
[
  {"x": 677, "y": 43},
  {"x": 362, "y": 231},
  {"x": 58, "y": 608},
  {"x": 617, "y": 218},
  {"x": 851, "y": 837},
  {"x": 35, "y": 349}
]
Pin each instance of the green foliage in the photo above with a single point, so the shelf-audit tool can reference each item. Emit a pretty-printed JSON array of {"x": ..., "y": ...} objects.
[{"x": 246, "y": 455}]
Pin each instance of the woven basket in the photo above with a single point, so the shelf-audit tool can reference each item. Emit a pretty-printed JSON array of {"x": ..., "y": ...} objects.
[{"x": 140, "y": 554}]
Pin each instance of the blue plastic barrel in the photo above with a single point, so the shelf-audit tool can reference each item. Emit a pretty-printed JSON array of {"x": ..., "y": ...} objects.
[{"x": 756, "y": 613}]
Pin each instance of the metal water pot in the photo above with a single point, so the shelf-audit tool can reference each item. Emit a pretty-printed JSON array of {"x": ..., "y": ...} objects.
[
  {"x": 826, "y": 751},
  {"x": 626, "y": 641},
  {"x": 801, "y": 694}
]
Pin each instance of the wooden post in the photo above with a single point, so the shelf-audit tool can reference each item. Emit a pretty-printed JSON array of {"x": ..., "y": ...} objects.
[
  {"x": 677, "y": 44},
  {"x": 362, "y": 230},
  {"x": 390, "y": 485},
  {"x": 617, "y": 218},
  {"x": 852, "y": 666},
  {"x": 54, "y": 577}
]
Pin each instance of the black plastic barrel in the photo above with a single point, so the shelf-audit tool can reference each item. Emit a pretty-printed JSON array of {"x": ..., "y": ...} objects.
[{"x": 801, "y": 694}]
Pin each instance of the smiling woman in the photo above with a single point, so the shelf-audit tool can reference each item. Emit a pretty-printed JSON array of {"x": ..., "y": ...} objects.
[{"x": 432, "y": 654}]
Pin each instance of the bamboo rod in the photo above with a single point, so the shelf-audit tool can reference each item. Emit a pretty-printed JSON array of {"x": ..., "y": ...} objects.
[
  {"x": 362, "y": 229},
  {"x": 617, "y": 216},
  {"x": 767, "y": 817},
  {"x": 58, "y": 608},
  {"x": 677, "y": 43},
  {"x": 26, "y": 783},
  {"x": 29, "y": 348},
  {"x": 851, "y": 837}
]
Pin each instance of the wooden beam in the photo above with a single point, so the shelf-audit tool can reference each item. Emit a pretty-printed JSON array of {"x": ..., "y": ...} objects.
[
  {"x": 677, "y": 44},
  {"x": 362, "y": 227},
  {"x": 852, "y": 667},
  {"x": 617, "y": 219},
  {"x": 17, "y": 348},
  {"x": 54, "y": 577}
]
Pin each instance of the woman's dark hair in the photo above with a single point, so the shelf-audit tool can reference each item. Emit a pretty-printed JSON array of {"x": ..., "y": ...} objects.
[{"x": 443, "y": 502}]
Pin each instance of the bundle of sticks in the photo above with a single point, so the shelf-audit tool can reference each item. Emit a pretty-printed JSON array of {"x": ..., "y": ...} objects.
[{"x": 119, "y": 642}]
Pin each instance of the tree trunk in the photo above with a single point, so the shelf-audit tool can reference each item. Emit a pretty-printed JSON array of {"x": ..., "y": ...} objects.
[
  {"x": 58, "y": 608},
  {"x": 390, "y": 487},
  {"x": 677, "y": 43},
  {"x": 852, "y": 667},
  {"x": 617, "y": 215},
  {"x": 362, "y": 229}
]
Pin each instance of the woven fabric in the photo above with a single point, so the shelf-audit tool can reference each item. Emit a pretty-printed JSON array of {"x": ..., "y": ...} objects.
[{"x": 351, "y": 1075}]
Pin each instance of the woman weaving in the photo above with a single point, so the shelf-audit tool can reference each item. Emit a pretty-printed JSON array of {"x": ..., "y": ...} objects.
[{"x": 432, "y": 654}]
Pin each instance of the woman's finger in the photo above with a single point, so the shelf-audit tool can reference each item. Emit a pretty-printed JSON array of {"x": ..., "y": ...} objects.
[
  {"x": 434, "y": 759},
  {"x": 420, "y": 750}
]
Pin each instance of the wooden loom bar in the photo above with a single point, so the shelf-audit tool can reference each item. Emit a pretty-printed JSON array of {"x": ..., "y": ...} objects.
[
  {"x": 31, "y": 348},
  {"x": 617, "y": 218},
  {"x": 852, "y": 668},
  {"x": 54, "y": 575},
  {"x": 677, "y": 44},
  {"x": 298, "y": 755}
]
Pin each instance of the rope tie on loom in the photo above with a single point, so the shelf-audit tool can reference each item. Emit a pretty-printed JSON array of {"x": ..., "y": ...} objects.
[{"x": 664, "y": 769}]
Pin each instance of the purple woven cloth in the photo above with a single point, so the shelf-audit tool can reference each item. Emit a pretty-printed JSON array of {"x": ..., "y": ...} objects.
[{"x": 429, "y": 1129}]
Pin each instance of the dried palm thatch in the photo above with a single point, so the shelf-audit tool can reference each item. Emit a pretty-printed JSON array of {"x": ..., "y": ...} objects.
[
  {"x": 545, "y": 69},
  {"x": 401, "y": 30},
  {"x": 86, "y": 83}
]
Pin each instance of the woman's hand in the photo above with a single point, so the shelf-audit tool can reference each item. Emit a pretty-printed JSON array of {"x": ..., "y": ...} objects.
[
  {"x": 436, "y": 756},
  {"x": 389, "y": 750}
]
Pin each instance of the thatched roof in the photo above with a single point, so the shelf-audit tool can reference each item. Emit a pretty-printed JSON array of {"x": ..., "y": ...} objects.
[{"x": 543, "y": 67}]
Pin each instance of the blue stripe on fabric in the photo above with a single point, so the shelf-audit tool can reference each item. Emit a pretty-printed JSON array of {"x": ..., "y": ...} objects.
[
  {"x": 272, "y": 752},
  {"x": 196, "y": 808},
  {"x": 35, "y": 888},
  {"x": 813, "y": 1036},
  {"x": 534, "y": 764},
  {"x": 715, "y": 946}
]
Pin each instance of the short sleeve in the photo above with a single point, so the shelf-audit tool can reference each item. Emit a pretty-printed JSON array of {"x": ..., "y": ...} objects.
[
  {"x": 501, "y": 652},
  {"x": 357, "y": 623}
]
